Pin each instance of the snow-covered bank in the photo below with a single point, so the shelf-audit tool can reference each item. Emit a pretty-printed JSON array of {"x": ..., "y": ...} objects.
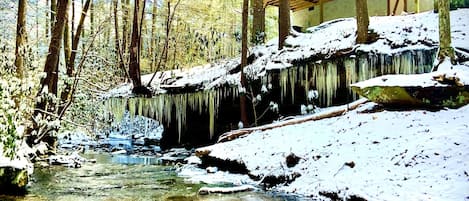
[{"x": 396, "y": 155}]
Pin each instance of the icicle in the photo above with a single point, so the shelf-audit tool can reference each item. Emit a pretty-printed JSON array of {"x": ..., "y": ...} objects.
[
  {"x": 283, "y": 83},
  {"x": 322, "y": 76},
  {"x": 406, "y": 63},
  {"x": 306, "y": 79},
  {"x": 211, "y": 108},
  {"x": 320, "y": 79},
  {"x": 350, "y": 75},
  {"x": 118, "y": 108},
  {"x": 132, "y": 107},
  {"x": 332, "y": 82},
  {"x": 293, "y": 75},
  {"x": 139, "y": 102}
]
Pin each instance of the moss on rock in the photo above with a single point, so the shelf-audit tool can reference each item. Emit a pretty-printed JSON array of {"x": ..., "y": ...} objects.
[
  {"x": 450, "y": 96},
  {"x": 13, "y": 180}
]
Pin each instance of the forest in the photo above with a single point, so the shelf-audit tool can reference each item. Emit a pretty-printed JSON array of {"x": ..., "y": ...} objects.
[{"x": 247, "y": 99}]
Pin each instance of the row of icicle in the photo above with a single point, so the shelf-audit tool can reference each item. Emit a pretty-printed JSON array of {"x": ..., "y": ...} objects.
[{"x": 323, "y": 76}]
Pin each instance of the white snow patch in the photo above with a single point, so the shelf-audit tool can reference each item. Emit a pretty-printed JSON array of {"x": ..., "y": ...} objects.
[
  {"x": 420, "y": 80},
  {"x": 393, "y": 151}
]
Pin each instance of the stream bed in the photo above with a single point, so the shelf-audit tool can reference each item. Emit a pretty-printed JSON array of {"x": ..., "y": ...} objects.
[{"x": 120, "y": 177}]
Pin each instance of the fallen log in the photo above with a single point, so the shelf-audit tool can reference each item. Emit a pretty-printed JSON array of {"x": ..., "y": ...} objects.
[
  {"x": 337, "y": 111},
  {"x": 225, "y": 190}
]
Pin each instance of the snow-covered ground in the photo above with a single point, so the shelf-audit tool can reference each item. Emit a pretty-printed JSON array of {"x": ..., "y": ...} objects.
[{"x": 396, "y": 155}]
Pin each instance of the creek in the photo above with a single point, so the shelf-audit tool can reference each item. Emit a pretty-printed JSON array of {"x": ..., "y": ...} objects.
[{"x": 121, "y": 177}]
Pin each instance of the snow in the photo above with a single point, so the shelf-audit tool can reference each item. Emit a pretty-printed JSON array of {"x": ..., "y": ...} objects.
[
  {"x": 424, "y": 80},
  {"x": 393, "y": 151},
  {"x": 196, "y": 175},
  {"x": 461, "y": 72},
  {"x": 21, "y": 159},
  {"x": 312, "y": 94}
]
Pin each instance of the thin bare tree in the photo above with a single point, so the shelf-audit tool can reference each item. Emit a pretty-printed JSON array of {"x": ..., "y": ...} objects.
[
  {"x": 244, "y": 59},
  {"x": 46, "y": 104},
  {"x": 21, "y": 37}
]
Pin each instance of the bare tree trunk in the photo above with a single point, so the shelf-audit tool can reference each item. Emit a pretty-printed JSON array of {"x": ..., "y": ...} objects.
[
  {"x": 141, "y": 25},
  {"x": 67, "y": 38},
  {"x": 134, "y": 65},
  {"x": 175, "y": 50},
  {"x": 52, "y": 59},
  {"x": 37, "y": 29},
  {"x": 91, "y": 17},
  {"x": 125, "y": 29},
  {"x": 362, "y": 21},
  {"x": 71, "y": 61},
  {"x": 244, "y": 53},
  {"x": 153, "y": 38},
  {"x": 73, "y": 20},
  {"x": 83, "y": 30},
  {"x": 283, "y": 22},
  {"x": 445, "y": 31},
  {"x": 47, "y": 21},
  {"x": 108, "y": 31},
  {"x": 164, "y": 56},
  {"x": 169, "y": 20},
  {"x": 53, "y": 9},
  {"x": 21, "y": 38},
  {"x": 258, "y": 22},
  {"x": 120, "y": 57},
  {"x": 76, "y": 39},
  {"x": 50, "y": 68}
]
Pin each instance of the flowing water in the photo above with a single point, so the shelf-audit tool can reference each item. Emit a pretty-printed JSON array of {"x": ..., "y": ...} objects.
[{"x": 119, "y": 178}]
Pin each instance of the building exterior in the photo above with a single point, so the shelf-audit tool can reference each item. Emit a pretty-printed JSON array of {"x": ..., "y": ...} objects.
[{"x": 307, "y": 16}]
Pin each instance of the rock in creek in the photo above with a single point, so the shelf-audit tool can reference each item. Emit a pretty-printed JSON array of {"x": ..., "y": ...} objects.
[
  {"x": 73, "y": 160},
  {"x": 13, "y": 180},
  {"x": 14, "y": 174}
]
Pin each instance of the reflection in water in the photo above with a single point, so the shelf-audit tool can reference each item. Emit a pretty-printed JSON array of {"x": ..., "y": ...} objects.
[
  {"x": 137, "y": 160},
  {"x": 119, "y": 178}
]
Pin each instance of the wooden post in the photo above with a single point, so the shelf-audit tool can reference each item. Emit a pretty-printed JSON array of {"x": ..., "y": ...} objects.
[
  {"x": 363, "y": 21},
  {"x": 321, "y": 11},
  {"x": 283, "y": 22},
  {"x": 395, "y": 7},
  {"x": 417, "y": 7},
  {"x": 389, "y": 8},
  {"x": 405, "y": 6}
]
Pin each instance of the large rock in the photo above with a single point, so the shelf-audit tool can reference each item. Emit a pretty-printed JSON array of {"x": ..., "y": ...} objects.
[
  {"x": 450, "y": 96},
  {"x": 15, "y": 172},
  {"x": 13, "y": 180},
  {"x": 437, "y": 89}
]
